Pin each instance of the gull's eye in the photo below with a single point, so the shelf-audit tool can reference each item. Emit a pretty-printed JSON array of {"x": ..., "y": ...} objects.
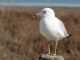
[{"x": 44, "y": 11}]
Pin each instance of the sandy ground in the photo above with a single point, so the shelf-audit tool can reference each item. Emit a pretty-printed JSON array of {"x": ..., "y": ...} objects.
[{"x": 20, "y": 38}]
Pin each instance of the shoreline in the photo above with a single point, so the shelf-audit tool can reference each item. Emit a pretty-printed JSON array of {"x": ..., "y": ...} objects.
[{"x": 39, "y": 5}]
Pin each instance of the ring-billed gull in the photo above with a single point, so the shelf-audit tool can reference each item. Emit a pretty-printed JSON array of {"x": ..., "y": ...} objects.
[{"x": 51, "y": 27}]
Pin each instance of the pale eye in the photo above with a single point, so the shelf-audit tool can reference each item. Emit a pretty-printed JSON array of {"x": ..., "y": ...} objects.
[{"x": 44, "y": 11}]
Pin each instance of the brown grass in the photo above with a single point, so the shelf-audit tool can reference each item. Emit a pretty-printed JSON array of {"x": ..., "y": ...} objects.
[{"x": 20, "y": 38}]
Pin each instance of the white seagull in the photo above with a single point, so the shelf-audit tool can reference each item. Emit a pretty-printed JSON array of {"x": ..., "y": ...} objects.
[{"x": 51, "y": 27}]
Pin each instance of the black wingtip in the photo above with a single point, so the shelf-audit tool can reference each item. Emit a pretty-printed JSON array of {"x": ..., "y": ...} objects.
[{"x": 70, "y": 35}]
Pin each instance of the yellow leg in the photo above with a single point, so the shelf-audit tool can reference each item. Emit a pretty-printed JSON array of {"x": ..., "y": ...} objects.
[
  {"x": 56, "y": 47},
  {"x": 49, "y": 48}
]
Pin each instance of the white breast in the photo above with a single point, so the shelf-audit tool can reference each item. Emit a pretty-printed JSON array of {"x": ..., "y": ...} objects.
[{"x": 50, "y": 29}]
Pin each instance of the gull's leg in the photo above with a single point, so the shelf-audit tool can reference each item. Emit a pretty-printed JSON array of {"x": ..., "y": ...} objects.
[
  {"x": 49, "y": 47},
  {"x": 56, "y": 47}
]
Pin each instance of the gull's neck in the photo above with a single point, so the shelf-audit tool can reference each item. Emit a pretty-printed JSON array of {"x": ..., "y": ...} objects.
[{"x": 48, "y": 16}]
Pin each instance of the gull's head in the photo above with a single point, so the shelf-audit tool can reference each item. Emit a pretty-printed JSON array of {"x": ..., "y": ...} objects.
[{"x": 46, "y": 12}]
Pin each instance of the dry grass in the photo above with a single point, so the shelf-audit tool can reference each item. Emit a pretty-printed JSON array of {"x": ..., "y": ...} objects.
[{"x": 20, "y": 38}]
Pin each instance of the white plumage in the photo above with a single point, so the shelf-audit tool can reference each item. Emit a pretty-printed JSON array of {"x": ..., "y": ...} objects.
[{"x": 51, "y": 27}]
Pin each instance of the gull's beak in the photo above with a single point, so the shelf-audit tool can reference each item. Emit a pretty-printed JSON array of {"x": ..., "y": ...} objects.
[{"x": 36, "y": 15}]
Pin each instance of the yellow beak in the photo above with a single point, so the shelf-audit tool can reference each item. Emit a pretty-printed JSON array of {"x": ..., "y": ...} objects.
[{"x": 36, "y": 15}]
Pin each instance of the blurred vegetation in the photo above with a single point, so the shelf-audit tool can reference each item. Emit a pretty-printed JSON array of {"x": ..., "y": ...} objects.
[{"x": 20, "y": 38}]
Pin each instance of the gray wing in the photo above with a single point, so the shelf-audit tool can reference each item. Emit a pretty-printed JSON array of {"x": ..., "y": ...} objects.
[{"x": 62, "y": 27}]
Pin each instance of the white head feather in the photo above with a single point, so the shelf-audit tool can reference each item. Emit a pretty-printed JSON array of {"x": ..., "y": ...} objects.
[{"x": 47, "y": 12}]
